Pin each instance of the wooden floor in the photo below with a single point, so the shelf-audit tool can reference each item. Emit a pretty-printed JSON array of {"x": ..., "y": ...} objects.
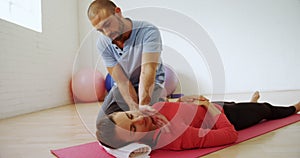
[{"x": 33, "y": 135}]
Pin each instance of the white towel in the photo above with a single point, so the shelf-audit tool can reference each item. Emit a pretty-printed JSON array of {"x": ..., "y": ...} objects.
[{"x": 132, "y": 150}]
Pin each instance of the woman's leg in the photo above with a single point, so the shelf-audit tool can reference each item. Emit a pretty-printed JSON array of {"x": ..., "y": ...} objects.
[
  {"x": 278, "y": 112},
  {"x": 255, "y": 97},
  {"x": 243, "y": 115},
  {"x": 297, "y": 106}
]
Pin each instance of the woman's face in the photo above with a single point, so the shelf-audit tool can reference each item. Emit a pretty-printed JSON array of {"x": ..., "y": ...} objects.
[{"x": 132, "y": 125}]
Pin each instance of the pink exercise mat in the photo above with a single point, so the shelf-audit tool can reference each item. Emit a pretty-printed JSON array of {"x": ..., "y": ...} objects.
[{"x": 94, "y": 150}]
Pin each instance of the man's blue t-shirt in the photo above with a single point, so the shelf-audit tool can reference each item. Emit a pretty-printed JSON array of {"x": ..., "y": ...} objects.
[{"x": 144, "y": 38}]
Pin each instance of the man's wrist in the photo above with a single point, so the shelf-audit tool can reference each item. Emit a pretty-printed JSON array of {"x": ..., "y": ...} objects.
[{"x": 133, "y": 106}]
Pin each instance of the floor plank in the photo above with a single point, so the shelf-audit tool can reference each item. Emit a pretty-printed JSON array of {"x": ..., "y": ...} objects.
[{"x": 34, "y": 134}]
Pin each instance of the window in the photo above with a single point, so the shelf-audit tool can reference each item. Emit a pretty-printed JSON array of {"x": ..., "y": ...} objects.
[{"x": 26, "y": 13}]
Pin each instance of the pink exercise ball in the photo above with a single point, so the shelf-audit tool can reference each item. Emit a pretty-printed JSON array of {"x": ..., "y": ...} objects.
[
  {"x": 88, "y": 86},
  {"x": 171, "y": 80}
]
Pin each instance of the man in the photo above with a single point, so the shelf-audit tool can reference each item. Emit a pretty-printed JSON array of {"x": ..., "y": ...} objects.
[{"x": 131, "y": 53}]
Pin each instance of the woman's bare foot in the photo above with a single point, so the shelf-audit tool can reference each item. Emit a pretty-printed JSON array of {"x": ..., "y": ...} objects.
[
  {"x": 297, "y": 106},
  {"x": 255, "y": 97}
]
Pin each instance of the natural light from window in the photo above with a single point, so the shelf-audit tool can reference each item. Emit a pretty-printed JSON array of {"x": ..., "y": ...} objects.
[{"x": 26, "y": 13}]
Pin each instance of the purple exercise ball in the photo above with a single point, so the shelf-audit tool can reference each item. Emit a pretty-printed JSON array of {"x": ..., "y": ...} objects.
[{"x": 171, "y": 80}]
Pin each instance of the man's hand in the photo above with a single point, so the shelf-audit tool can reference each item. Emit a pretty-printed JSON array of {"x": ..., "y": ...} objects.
[
  {"x": 147, "y": 110},
  {"x": 134, "y": 107}
]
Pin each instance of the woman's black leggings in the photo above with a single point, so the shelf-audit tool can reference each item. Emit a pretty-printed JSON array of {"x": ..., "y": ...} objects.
[{"x": 243, "y": 115}]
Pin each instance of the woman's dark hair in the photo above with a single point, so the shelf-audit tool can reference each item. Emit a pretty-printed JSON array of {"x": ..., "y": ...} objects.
[{"x": 106, "y": 133}]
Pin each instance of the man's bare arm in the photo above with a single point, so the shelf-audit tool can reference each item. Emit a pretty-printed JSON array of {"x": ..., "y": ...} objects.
[
  {"x": 147, "y": 78},
  {"x": 125, "y": 86}
]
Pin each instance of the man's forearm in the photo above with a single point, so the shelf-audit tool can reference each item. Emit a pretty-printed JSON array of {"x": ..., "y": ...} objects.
[
  {"x": 125, "y": 86},
  {"x": 129, "y": 95},
  {"x": 145, "y": 92},
  {"x": 147, "y": 82},
  {"x": 147, "y": 77}
]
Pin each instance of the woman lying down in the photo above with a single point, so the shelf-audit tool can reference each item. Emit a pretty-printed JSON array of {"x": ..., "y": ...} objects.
[{"x": 196, "y": 124}]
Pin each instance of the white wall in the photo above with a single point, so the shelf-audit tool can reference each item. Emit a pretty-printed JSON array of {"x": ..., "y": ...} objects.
[
  {"x": 242, "y": 46},
  {"x": 256, "y": 43},
  {"x": 35, "y": 68},
  {"x": 87, "y": 55}
]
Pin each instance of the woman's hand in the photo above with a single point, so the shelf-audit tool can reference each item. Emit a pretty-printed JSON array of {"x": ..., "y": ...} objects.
[
  {"x": 161, "y": 122},
  {"x": 192, "y": 98},
  {"x": 205, "y": 103}
]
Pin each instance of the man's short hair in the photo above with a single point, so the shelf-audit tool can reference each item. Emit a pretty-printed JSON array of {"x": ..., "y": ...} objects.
[{"x": 98, "y": 5}]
